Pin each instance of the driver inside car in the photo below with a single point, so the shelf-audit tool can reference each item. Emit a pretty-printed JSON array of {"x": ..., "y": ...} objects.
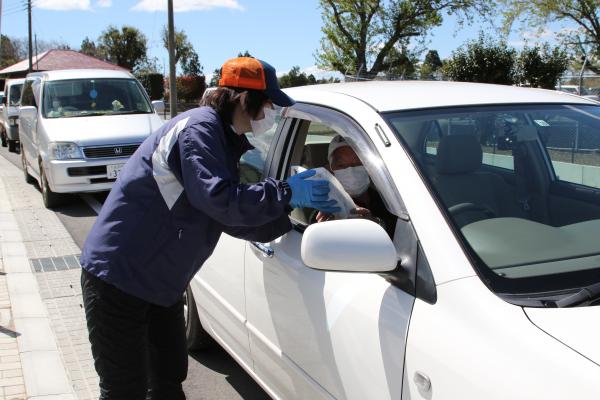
[{"x": 349, "y": 170}]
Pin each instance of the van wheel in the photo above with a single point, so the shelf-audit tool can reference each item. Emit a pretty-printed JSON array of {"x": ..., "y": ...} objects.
[
  {"x": 197, "y": 338},
  {"x": 28, "y": 178},
  {"x": 12, "y": 146},
  {"x": 50, "y": 198}
]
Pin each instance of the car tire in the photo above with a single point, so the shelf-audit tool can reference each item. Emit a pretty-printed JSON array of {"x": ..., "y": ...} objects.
[
  {"x": 50, "y": 198},
  {"x": 28, "y": 178},
  {"x": 3, "y": 138},
  {"x": 12, "y": 146},
  {"x": 197, "y": 338}
]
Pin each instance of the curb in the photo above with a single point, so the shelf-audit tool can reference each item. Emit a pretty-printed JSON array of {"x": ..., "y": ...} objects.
[{"x": 44, "y": 371}]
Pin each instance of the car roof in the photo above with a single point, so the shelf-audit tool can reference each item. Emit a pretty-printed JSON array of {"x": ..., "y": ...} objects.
[
  {"x": 386, "y": 96},
  {"x": 63, "y": 74}
]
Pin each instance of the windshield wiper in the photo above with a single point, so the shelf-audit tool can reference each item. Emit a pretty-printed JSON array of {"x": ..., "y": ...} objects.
[
  {"x": 129, "y": 112},
  {"x": 86, "y": 114},
  {"x": 584, "y": 296}
]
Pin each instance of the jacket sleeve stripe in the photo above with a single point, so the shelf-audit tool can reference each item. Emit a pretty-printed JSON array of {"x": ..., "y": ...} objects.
[{"x": 168, "y": 185}]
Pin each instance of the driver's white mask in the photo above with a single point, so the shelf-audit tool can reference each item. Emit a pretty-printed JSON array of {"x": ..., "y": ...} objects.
[
  {"x": 355, "y": 180},
  {"x": 263, "y": 125}
]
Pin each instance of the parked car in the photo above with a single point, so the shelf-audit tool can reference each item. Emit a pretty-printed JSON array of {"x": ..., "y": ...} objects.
[
  {"x": 9, "y": 116},
  {"x": 79, "y": 127},
  {"x": 489, "y": 288},
  {"x": 574, "y": 89}
]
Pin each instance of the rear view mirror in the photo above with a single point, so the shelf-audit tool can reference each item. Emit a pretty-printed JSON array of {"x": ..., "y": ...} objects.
[
  {"x": 159, "y": 106},
  {"x": 350, "y": 245}
]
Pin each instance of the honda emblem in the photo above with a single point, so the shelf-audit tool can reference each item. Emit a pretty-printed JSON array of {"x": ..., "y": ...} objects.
[{"x": 118, "y": 150}]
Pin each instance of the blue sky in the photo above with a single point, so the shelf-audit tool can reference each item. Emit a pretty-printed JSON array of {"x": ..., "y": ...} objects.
[{"x": 283, "y": 32}]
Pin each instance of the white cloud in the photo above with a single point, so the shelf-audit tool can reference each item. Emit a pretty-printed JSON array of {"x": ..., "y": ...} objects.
[
  {"x": 103, "y": 3},
  {"x": 63, "y": 4},
  {"x": 187, "y": 5}
]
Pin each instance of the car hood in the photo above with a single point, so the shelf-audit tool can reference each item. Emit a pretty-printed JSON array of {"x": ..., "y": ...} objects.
[
  {"x": 576, "y": 327},
  {"x": 103, "y": 129}
]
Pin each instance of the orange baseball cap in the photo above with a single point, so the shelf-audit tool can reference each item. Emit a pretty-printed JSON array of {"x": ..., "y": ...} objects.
[{"x": 252, "y": 73}]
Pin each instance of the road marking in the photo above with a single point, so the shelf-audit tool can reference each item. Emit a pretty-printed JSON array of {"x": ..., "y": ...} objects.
[{"x": 92, "y": 202}]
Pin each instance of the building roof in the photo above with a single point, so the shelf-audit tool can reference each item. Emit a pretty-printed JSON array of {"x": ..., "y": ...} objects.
[
  {"x": 407, "y": 95},
  {"x": 59, "y": 59}
]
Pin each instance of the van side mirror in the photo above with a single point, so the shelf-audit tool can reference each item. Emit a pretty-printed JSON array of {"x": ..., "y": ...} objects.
[
  {"x": 159, "y": 106},
  {"x": 4, "y": 100}
]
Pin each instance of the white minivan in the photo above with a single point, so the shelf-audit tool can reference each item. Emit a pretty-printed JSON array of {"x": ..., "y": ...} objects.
[
  {"x": 79, "y": 127},
  {"x": 9, "y": 114}
]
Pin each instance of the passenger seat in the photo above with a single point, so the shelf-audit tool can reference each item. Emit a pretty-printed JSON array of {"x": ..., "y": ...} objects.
[{"x": 459, "y": 179}]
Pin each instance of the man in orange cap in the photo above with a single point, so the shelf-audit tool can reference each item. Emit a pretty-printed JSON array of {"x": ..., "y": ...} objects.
[{"x": 161, "y": 221}]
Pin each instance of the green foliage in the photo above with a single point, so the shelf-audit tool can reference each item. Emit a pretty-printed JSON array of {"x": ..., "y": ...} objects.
[
  {"x": 297, "y": 78},
  {"x": 431, "y": 65},
  {"x": 245, "y": 54},
  {"x": 360, "y": 35},
  {"x": 538, "y": 13},
  {"x": 9, "y": 52},
  {"x": 185, "y": 54},
  {"x": 89, "y": 48},
  {"x": 482, "y": 60},
  {"x": 154, "y": 83},
  {"x": 540, "y": 66},
  {"x": 214, "y": 81},
  {"x": 125, "y": 47}
]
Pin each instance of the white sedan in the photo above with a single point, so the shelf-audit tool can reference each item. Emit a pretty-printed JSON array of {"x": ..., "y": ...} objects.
[{"x": 487, "y": 288}]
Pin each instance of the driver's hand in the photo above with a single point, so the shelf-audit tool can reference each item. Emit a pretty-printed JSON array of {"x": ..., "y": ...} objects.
[
  {"x": 322, "y": 217},
  {"x": 361, "y": 212}
]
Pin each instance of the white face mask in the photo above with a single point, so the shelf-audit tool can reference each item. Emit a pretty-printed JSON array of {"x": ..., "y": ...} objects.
[
  {"x": 355, "y": 180},
  {"x": 264, "y": 125}
]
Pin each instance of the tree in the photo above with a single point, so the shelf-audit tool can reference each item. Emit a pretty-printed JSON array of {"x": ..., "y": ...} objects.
[
  {"x": 541, "y": 67},
  {"x": 584, "y": 13},
  {"x": 89, "y": 48},
  {"x": 431, "y": 65},
  {"x": 125, "y": 47},
  {"x": 245, "y": 54},
  {"x": 214, "y": 81},
  {"x": 297, "y": 78},
  {"x": 360, "y": 35},
  {"x": 9, "y": 52},
  {"x": 482, "y": 60},
  {"x": 185, "y": 54}
]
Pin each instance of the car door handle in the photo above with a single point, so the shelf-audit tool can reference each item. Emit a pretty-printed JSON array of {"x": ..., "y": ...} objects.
[{"x": 265, "y": 249}]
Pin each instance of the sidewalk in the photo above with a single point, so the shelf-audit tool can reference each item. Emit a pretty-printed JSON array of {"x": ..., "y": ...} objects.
[{"x": 44, "y": 351}]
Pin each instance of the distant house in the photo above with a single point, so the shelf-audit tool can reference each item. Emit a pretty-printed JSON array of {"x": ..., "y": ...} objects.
[{"x": 56, "y": 59}]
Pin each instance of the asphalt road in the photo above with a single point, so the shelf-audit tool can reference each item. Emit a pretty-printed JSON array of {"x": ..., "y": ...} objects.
[{"x": 212, "y": 374}]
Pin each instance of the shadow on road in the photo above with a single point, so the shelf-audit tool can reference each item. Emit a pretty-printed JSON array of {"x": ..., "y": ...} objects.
[{"x": 217, "y": 360}]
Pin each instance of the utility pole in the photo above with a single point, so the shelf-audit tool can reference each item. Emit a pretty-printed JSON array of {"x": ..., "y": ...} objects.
[
  {"x": 30, "y": 39},
  {"x": 172, "y": 77}
]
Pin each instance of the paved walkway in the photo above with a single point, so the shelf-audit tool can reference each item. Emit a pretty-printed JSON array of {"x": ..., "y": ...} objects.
[{"x": 44, "y": 352}]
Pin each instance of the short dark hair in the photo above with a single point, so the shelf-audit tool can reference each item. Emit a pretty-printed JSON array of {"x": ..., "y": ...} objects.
[{"x": 224, "y": 99}]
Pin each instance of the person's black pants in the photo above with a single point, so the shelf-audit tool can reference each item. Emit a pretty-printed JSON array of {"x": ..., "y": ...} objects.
[{"x": 139, "y": 348}]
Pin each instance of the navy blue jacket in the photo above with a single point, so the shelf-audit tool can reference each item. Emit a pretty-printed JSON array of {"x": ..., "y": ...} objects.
[{"x": 170, "y": 203}]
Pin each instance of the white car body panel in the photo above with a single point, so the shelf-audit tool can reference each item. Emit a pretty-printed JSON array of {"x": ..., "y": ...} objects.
[
  {"x": 473, "y": 339},
  {"x": 218, "y": 289},
  {"x": 304, "y": 335},
  {"x": 575, "y": 327}
]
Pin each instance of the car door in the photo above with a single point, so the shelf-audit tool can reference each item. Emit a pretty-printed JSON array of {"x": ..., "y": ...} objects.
[
  {"x": 218, "y": 287},
  {"x": 317, "y": 334},
  {"x": 28, "y": 119}
]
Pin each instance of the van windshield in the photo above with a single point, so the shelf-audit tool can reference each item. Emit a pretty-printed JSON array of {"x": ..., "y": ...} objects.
[
  {"x": 521, "y": 185},
  {"x": 92, "y": 97}
]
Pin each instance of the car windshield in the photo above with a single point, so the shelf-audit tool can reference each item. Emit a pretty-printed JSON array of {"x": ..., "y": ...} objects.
[
  {"x": 15, "y": 94},
  {"x": 91, "y": 97},
  {"x": 521, "y": 185}
]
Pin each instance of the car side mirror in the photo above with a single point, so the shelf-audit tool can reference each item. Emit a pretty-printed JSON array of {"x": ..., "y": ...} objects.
[
  {"x": 159, "y": 106},
  {"x": 350, "y": 245},
  {"x": 4, "y": 100}
]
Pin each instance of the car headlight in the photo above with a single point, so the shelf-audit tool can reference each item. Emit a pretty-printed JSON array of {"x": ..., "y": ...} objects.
[
  {"x": 12, "y": 121},
  {"x": 65, "y": 151}
]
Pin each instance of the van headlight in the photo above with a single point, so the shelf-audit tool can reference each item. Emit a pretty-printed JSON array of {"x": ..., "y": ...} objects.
[{"x": 65, "y": 151}]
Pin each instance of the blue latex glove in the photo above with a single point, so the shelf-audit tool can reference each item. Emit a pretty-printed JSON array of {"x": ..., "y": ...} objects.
[{"x": 312, "y": 193}]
